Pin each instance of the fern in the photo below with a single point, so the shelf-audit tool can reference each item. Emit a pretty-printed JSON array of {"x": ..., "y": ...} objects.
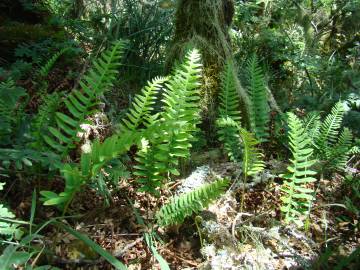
[
  {"x": 312, "y": 125},
  {"x": 228, "y": 97},
  {"x": 80, "y": 104},
  {"x": 186, "y": 204},
  {"x": 90, "y": 165},
  {"x": 171, "y": 136},
  {"x": 45, "y": 69},
  {"x": 330, "y": 128},
  {"x": 9, "y": 97},
  {"x": 229, "y": 119},
  {"x": 142, "y": 106},
  {"x": 332, "y": 143},
  {"x": 228, "y": 133},
  {"x": 297, "y": 197},
  {"x": 339, "y": 154},
  {"x": 252, "y": 157},
  {"x": 44, "y": 118},
  {"x": 259, "y": 109}
]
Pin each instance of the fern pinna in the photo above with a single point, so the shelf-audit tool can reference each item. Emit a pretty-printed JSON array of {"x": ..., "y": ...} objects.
[
  {"x": 191, "y": 202},
  {"x": 259, "y": 108},
  {"x": 169, "y": 134},
  {"x": 229, "y": 119},
  {"x": 81, "y": 103},
  {"x": 297, "y": 196}
]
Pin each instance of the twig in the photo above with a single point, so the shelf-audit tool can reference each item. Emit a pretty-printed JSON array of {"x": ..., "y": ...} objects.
[
  {"x": 128, "y": 246},
  {"x": 182, "y": 259}
]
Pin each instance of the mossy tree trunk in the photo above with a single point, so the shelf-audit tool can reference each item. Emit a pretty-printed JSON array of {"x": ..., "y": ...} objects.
[{"x": 205, "y": 25}]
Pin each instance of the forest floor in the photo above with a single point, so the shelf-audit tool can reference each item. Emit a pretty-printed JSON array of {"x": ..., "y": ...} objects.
[{"x": 253, "y": 238}]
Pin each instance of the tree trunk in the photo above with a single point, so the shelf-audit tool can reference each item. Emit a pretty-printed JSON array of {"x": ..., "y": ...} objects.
[{"x": 205, "y": 25}]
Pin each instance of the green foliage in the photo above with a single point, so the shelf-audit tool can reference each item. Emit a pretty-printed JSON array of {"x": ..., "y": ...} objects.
[
  {"x": 143, "y": 106},
  {"x": 45, "y": 69},
  {"x": 169, "y": 138},
  {"x": 228, "y": 133},
  {"x": 8, "y": 225},
  {"x": 259, "y": 111},
  {"x": 45, "y": 116},
  {"x": 297, "y": 196},
  {"x": 80, "y": 104},
  {"x": 229, "y": 100},
  {"x": 332, "y": 143},
  {"x": 186, "y": 204},
  {"x": 11, "y": 256},
  {"x": 90, "y": 165},
  {"x": 18, "y": 159},
  {"x": 9, "y": 98},
  {"x": 312, "y": 125},
  {"x": 229, "y": 119},
  {"x": 330, "y": 128},
  {"x": 252, "y": 157}
]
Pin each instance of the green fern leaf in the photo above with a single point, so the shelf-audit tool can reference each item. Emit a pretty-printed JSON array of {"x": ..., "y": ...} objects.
[
  {"x": 259, "y": 109},
  {"x": 297, "y": 197},
  {"x": 90, "y": 165},
  {"x": 228, "y": 97},
  {"x": 142, "y": 106},
  {"x": 252, "y": 157},
  {"x": 80, "y": 104},
  {"x": 338, "y": 155},
  {"x": 45, "y": 69},
  {"x": 330, "y": 128},
  {"x": 171, "y": 136},
  {"x": 186, "y": 204},
  {"x": 228, "y": 134}
]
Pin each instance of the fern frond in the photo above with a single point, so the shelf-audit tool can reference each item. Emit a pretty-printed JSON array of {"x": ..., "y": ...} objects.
[
  {"x": 338, "y": 155},
  {"x": 228, "y": 133},
  {"x": 330, "y": 128},
  {"x": 80, "y": 104},
  {"x": 181, "y": 97},
  {"x": 9, "y": 106},
  {"x": 148, "y": 169},
  {"x": 44, "y": 118},
  {"x": 172, "y": 136},
  {"x": 186, "y": 204},
  {"x": 45, "y": 69},
  {"x": 228, "y": 96},
  {"x": 259, "y": 109},
  {"x": 142, "y": 106},
  {"x": 312, "y": 124},
  {"x": 90, "y": 165},
  {"x": 252, "y": 157},
  {"x": 297, "y": 197}
]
